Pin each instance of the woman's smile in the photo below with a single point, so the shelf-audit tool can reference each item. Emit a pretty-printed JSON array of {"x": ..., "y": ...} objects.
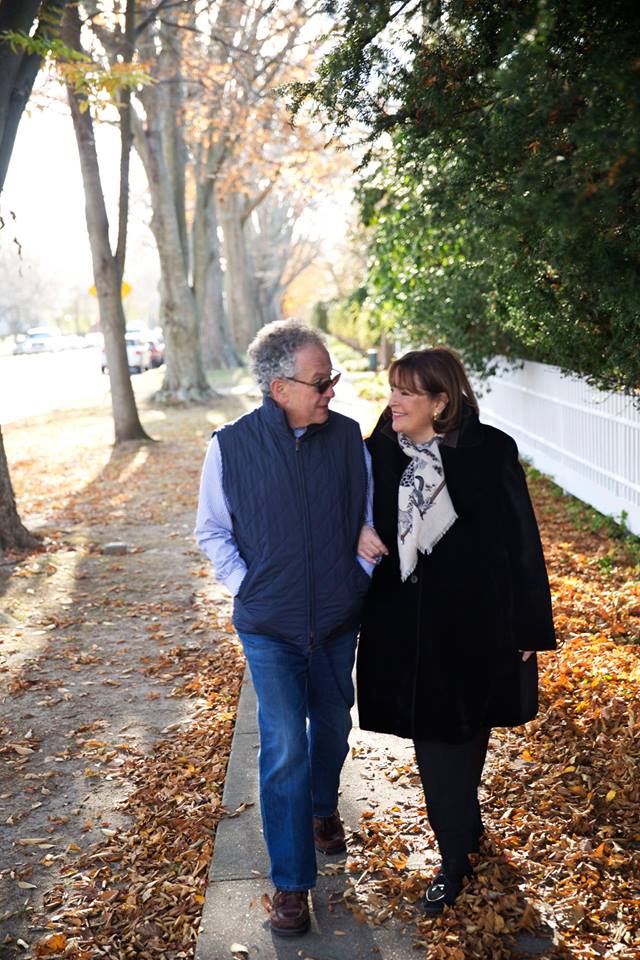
[{"x": 412, "y": 413}]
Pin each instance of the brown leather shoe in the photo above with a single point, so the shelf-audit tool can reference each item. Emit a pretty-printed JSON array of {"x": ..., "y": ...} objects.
[
  {"x": 289, "y": 915},
  {"x": 328, "y": 834}
]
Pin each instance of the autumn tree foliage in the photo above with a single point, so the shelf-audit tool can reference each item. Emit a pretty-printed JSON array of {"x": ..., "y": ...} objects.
[
  {"x": 503, "y": 181},
  {"x": 250, "y": 174},
  {"x": 195, "y": 88},
  {"x": 225, "y": 166}
]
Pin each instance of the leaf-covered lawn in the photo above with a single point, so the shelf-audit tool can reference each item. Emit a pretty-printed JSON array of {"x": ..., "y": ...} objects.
[
  {"x": 121, "y": 675},
  {"x": 561, "y": 798}
]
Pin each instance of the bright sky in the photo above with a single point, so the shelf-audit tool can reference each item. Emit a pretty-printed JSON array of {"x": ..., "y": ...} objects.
[{"x": 44, "y": 191}]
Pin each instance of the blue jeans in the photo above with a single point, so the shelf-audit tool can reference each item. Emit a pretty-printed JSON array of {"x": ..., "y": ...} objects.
[{"x": 304, "y": 718}]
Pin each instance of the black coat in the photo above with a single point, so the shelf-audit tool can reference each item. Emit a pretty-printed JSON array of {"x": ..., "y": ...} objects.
[{"x": 438, "y": 656}]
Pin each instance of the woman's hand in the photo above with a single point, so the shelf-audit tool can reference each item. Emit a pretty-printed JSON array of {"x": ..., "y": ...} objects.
[
  {"x": 370, "y": 546},
  {"x": 526, "y": 654}
]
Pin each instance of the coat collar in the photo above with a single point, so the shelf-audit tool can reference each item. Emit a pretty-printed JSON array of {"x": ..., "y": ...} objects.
[{"x": 468, "y": 434}]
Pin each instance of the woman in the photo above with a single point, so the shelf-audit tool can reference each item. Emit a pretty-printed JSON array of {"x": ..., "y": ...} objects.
[{"x": 459, "y": 600}]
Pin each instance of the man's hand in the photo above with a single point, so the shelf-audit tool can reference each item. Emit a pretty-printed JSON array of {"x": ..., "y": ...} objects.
[
  {"x": 370, "y": 546},
  {"x": 526, "y": 654}
]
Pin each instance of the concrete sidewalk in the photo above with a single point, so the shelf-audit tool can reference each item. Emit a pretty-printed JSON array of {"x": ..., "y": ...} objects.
[
  {"x": 233, "y": 914},
  {"x": 239, "y": 875}
]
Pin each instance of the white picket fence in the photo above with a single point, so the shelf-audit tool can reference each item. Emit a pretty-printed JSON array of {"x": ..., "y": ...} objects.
[{"x": 587, "y": 440}]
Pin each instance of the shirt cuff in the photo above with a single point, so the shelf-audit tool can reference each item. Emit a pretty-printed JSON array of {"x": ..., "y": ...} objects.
[
  {"x": 234, "y": 581},
  {"x": 366, "y": 566}
]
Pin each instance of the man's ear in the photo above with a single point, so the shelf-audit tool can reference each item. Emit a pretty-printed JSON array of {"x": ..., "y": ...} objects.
[{"x": 278, "y": 389}]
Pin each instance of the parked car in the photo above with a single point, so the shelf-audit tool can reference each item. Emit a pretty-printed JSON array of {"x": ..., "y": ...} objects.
[
  {"x": 156, "y": 347},
  {"x": 37, "y": 340},
  {"x": 138, "y": 355}
]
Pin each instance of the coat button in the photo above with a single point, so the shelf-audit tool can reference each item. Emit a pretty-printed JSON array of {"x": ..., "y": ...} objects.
[{"x": 413, "y": 578}]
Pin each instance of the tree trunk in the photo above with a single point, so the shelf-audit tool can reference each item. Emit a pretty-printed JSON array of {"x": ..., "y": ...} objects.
[
  {"x": 208, "y": 283},
  {"x": 269, "y": 246},
  {"x": 17, "y": 75},
  {"x": 126, "y": 138},
  {"x": 240, "y": 285},
  {"x": 18, "y": 70},
  {"x": 105, "y": 268},
  {"x": 385, "y": 351},
  {"x": 184, "y": 380},
  {"x": 13, "y": 535}
]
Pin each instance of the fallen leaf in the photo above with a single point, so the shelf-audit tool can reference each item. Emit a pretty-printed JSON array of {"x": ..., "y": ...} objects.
[
  {"x": 49, "y": 946},
  {"x": 265, "y": 900},
  {"x": 239, "y": 950}
]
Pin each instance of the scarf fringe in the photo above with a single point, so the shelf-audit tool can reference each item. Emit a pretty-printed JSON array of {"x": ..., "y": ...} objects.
[{"x": 427, "y": 551}]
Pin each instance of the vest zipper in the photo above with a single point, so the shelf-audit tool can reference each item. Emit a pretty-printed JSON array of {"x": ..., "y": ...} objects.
[{"x": 307, "y": 537}]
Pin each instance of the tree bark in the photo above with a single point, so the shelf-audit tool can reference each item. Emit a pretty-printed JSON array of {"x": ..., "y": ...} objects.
[
  {"x": 126, "y": 138},
  {"x": 216, "y": 341},
  {"x": 157, "y": 142},
  {"x": 385, "y": 351},
  {"x": 270, "y": 248},
  {"x": 13, "y": 534},
  {"x": 240, "y": 285},
  {"x": 18, "y": 70},
  {"x": 17, "y": 75},
  {"x": 105, "y": 267}
]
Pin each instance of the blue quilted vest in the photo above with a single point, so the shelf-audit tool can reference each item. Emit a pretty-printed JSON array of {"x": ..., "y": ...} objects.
[{"x": 297, "y": 506}]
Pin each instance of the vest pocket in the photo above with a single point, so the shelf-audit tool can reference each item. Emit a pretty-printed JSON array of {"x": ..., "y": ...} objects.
[{"x": 244, "y": 586}]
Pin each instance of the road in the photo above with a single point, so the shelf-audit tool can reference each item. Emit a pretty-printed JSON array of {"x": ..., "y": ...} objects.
[
  {"x": 33, "y": 385},
  {"x": 71, "y": 379}
]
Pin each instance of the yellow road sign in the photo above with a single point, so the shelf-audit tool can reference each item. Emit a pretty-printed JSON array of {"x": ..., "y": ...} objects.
[{"x": 125, "y": 289}]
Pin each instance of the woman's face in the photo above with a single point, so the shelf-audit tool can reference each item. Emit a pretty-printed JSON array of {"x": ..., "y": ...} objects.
[{"x": 412, "y": 412}]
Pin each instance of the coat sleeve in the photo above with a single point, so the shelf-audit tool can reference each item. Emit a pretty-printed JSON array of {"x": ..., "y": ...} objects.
[{"x": 532, "y": 614}]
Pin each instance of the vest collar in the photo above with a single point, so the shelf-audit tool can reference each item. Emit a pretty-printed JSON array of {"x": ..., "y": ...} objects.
[{"x": 277, "y": 419}]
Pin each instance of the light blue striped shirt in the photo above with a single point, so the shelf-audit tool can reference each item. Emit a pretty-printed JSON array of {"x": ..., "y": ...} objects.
[{"x": 214, "y": 528}]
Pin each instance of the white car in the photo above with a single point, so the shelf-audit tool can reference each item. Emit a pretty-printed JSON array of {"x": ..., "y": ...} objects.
[
  {"x": 37, "y": 340},
  {"x": 138, "y": 355}
]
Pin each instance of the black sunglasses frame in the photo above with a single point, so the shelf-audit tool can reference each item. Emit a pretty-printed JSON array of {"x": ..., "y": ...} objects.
[{"x": 320, "y": 385}]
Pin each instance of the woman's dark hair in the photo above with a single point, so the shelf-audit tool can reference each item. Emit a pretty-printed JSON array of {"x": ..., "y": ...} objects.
[{"x": 432, "y": 371}]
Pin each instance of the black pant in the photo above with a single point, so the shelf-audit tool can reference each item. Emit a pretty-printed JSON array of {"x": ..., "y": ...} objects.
[{"x": 450, "y": 774}]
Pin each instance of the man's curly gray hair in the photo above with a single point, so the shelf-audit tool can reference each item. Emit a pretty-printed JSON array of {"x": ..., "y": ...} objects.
[{"x": 272, "y": 352}]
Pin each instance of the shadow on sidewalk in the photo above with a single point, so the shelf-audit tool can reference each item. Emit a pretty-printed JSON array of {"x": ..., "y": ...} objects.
[
  {"x": 367, "y": 906},
  {"x": 91, "y": 669}
]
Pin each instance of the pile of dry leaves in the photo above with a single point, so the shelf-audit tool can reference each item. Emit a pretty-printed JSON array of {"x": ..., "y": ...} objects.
[
  {"x": 140, "y": 892},
  {"x": 98, "y": 630},
  {"x": 562, "y": 853}
]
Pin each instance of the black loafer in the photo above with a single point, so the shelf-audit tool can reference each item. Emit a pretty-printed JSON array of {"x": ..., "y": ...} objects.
[{"x": 442, "y": 892}]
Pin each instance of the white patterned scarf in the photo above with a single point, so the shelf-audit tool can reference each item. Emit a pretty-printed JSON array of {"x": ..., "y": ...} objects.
[{"x": 425, "y": 510}]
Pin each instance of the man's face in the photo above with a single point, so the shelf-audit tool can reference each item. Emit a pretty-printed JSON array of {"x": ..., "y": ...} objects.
[{"x": 301, "y": 403}]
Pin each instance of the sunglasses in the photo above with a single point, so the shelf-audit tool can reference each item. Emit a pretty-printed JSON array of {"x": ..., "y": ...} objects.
[{"x": 320, "y": 385}]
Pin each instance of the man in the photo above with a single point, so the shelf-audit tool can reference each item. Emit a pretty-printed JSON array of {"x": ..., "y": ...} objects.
[{"x": 283, "y": 497}]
